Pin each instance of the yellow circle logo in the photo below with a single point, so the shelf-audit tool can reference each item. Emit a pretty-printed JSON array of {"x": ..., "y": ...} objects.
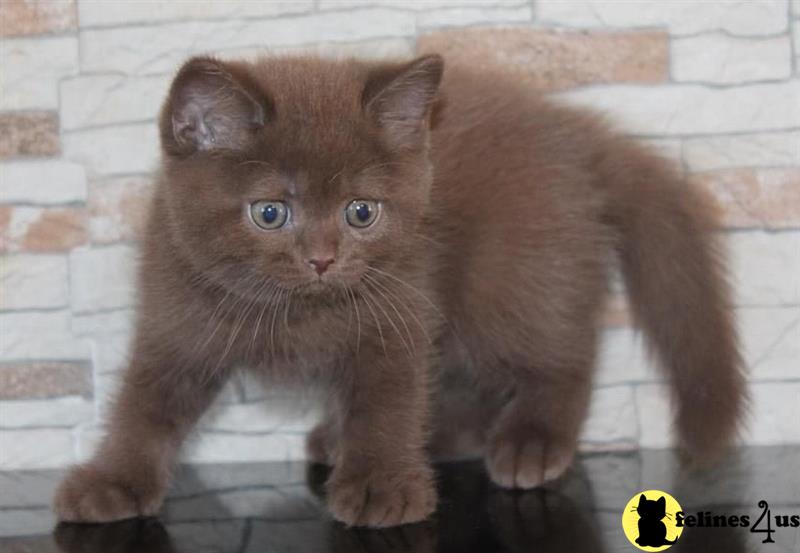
[{"x": 649, "y": 520}]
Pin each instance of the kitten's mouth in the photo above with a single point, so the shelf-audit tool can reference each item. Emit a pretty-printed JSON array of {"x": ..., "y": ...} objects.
[
  {"x": 315, "y": 287},
  {"x": 326, "y": 286}
]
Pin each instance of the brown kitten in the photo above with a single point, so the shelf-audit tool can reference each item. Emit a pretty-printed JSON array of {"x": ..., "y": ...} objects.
[{"x": 309, "y": 223}]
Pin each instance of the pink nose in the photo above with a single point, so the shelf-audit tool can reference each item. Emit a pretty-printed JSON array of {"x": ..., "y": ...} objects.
[{"x": 320, "y": 265}]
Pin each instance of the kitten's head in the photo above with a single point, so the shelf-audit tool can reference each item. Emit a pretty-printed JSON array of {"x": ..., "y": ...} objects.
[{"x": 298, "y": 172}]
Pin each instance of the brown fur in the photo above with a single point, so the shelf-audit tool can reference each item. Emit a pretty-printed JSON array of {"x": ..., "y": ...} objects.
[{"x": 487, "y": 270}]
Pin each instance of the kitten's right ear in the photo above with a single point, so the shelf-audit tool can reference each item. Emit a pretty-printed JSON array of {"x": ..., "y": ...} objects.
[
  {"x": 211, "y": 106},
  {"x": 400, "y": 99}
]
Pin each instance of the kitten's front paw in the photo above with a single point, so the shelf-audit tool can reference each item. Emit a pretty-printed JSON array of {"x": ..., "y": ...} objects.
[
  {"x": 89, "y": 495},
  {"x": 382, "y": 498},
  {"x": 521, "y": 457}
]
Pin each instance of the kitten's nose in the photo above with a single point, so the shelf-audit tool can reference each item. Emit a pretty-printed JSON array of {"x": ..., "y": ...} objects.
[{"x": 320, "y": 264}]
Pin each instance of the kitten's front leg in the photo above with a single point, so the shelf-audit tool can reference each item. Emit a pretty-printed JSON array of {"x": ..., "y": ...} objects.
[
  {"x": 159, "y": 402},
  {"x": 382, "y": 476}
]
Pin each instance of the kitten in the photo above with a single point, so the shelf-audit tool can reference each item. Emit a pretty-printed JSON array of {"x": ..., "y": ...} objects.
[
  {"x": 386, "y": 230},
  {"x": 652, "y": 532}
]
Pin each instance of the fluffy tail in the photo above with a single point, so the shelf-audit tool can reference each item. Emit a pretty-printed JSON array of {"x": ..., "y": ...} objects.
[{"x": 675, "y": 276}]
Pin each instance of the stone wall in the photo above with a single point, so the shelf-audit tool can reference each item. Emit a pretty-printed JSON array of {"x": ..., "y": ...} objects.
[{"x": 713, "y": 84}]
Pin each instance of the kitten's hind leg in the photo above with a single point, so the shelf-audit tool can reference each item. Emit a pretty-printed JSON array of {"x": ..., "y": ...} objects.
[
  {"x": 321, "y": 441},
  {"x": 534, "y": 439}
]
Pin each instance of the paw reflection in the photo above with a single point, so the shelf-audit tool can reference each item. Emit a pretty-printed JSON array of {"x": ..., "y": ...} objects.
[
  {"x": 474, "y": 516},
  {"x": 144, "y": 535}
]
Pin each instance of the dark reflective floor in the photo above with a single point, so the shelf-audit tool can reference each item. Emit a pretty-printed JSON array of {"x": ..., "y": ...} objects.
[{"x": 276, "y": 507}]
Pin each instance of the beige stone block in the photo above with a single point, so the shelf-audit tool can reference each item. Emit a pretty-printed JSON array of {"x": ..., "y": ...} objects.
[
  {"x": 224, "y": 447},
  {"x": 42, "y": 229},
  {"x": 681, "y": 109},
  {"x": 93, "y": 100},
  {"x": 474, "y": 15},
  {"x": 33, "y": 281},
  {"x": 612, "y": 421},
  {"x": 721, "y": 59},
  {"x": 622, "y": 358},
  {"x": 769, "y": 149},
  {"x": 41, "y": 380},
  {"x": 31, "y": 134},
  {"x": 96, "y": 13},
  {"x": 40, "y": 335},
  {"x": 556, "y": 60},
  {"x": 774, "y": 413},
  {"x": 755, "y": 198},
  {"x": 32, "y": 68},
  {"x": 33, "y": 17},
  {"x": 54, "y": 412},
  {"x": 161, "y": 48},
  {"x": 102, "y": 278},
  {"x": 655, "y": 416},
  {"x": 31, "y": 449},
  {"x": 132, "y": 148},
  {"x": 766, "y": 267},
  {"x": 738, "y": 18},
  {"x": 770, "y": 338},
  {"x": 118, "y": 208},
  {"x": 42, "y": 182}
]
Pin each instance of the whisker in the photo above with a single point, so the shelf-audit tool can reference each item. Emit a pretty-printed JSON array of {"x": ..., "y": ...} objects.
[
  {"x": 390, "y": 320},
  {"x": 255, "y": 162},
  {"x": 410, "y": 287},
  {"x": 366, "y": 170},
  {"x": 272, "y": 324},
  {"x": 346, "y": 293},
  {"x": 336, "y": 175},
  {"x": 287, "y": 307},
  {"x": 210, "y": 320},
  {"x": 242, "y": 318},
  {"x": 377, "y": 288},
  {"x": 429, "y": 239},
  {"x": 269, "y": 294},
  {"x": 229, "y": 309},
  {"x": 375, "y": 317},
  {"x": 358, "y": 320},
  {"x": 400, "y": 297},
  {"x": 438, "y": 311}
]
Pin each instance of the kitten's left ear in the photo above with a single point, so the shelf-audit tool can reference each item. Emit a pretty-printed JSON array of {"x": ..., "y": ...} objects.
[
  {"x": 211, "y": 105},
  {"x": 400, "y": 98},
  {"x": 662, "y": 501}
]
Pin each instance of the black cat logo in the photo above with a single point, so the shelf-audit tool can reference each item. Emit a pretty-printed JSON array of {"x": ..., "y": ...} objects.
[
  {"x": 648, "y": 520},
  {"x": 652, "y": 531}
]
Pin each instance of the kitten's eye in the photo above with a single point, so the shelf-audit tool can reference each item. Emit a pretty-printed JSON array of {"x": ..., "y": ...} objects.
[
  {"x": 269, "y": 215},
  {"x": 362, "y": 213}
]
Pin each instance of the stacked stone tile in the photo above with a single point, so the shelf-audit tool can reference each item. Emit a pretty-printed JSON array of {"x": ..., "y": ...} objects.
[{"x": 714, "y": 85}]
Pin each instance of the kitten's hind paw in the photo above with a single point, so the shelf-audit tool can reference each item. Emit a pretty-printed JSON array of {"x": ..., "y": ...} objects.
[
  {"x": 320, "y": 448},
  {"x": 522, "y": 458},
  {"x": 89, "y": 495}
]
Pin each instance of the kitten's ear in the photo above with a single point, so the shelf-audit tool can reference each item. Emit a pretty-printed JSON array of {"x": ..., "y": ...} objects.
[
  {"x": 642, "y": 499},
  {"x": 399, "y": 98},
  {"x": 211, "y": 106},
  {"x": 662, "y": 501}
]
